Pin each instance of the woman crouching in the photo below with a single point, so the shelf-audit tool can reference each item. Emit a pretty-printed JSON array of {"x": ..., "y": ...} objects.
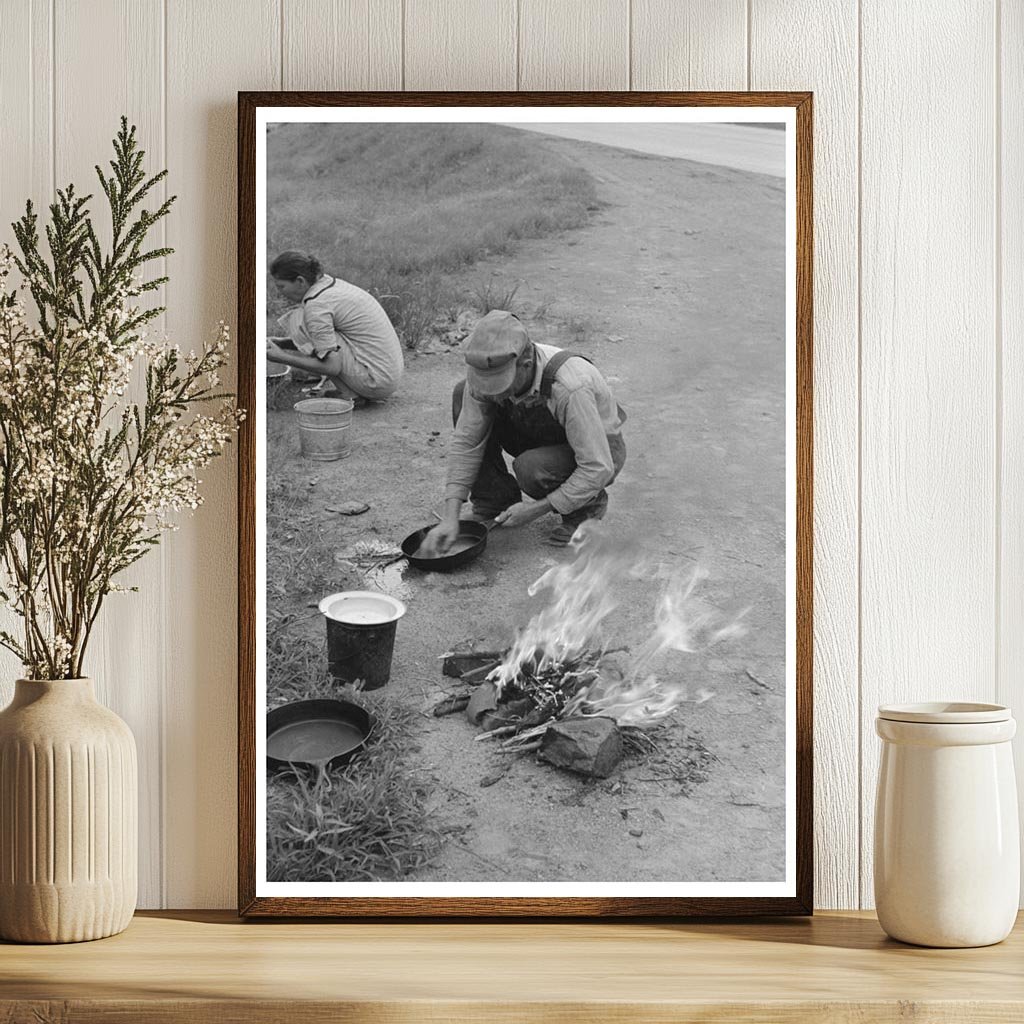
[{"x": 338, "y": 330}]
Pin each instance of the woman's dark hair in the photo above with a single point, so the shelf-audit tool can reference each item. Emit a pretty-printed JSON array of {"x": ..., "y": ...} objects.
[{"x": 291, "y": 265}]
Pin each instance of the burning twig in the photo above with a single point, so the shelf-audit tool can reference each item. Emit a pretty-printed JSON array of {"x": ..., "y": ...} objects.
[{"x": 478, "y": 675}]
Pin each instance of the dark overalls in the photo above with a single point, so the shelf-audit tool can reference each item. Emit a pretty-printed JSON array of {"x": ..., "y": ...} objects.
[{"x": 543, "y": 459}]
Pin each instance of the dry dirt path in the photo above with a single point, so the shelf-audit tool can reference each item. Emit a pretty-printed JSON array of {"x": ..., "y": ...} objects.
[{"x": 676, "y": 289}]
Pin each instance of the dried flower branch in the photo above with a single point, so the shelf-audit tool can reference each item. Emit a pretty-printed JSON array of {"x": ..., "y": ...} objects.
[{"x": 89, "y": 478}]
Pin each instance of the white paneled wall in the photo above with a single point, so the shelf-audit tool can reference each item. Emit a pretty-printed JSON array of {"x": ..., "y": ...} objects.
[
  {"x": 928, "y": 513},
  {"x": 919, "y": 323},
  {"x": 831, "y": 71}
]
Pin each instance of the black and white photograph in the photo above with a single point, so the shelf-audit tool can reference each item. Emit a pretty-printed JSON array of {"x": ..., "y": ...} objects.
[{"x": 525, "y": 502}]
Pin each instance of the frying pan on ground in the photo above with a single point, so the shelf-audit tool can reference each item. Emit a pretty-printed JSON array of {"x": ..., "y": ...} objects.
[
  {"x": 468, "y": 545},
  {"x": 316, "y": 733}
]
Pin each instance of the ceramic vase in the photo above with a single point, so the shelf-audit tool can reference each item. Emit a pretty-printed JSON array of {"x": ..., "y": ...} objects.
[
  {"x": 947, "y": 847},
  {"x": 68, "y": 815}
]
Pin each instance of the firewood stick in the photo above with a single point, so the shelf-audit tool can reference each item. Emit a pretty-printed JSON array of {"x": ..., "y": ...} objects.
[
  {"x": 451, "y": 705},
  {"x": 479, "y": 675},
  {"x": 537, "y": 730},
  {"x": 525, "y": 737},
  {"x": 503, "y": 730},
  {"x": 508, "y": 748}
]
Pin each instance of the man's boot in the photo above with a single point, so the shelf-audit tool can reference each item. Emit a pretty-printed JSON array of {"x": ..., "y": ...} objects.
[{"x": 563, "y": 533}]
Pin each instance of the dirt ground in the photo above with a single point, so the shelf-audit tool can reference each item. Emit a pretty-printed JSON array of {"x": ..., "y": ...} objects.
[{"x": 676, "y": 289}]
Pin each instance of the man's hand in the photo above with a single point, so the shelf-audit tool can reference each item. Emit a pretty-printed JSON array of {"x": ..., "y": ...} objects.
[
  {"x": 440, "y": 539},
  {"x": 522, "y": 513}
]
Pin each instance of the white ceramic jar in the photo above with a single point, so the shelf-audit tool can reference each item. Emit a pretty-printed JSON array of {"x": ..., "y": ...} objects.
[{"x": 947, "y": 847}]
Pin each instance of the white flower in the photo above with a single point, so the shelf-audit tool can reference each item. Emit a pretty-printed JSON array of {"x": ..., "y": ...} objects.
[{"x": 89, "y": 458}]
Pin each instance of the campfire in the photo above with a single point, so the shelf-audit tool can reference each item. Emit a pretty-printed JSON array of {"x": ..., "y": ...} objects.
[{"x": 560, "y": 689}]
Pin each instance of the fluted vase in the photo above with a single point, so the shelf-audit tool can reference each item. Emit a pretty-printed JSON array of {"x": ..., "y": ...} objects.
[{"x": 68, "y": 815}]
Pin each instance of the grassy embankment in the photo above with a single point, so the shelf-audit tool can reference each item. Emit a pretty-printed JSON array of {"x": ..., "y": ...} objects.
[{"x": 404, "y": 210}]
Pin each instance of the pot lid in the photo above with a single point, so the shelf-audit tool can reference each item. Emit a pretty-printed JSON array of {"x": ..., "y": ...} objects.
[{"x": 945, "y": 712}]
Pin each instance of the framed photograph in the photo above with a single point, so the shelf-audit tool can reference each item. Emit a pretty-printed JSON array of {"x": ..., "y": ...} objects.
[{"x": 525, "y": 500}]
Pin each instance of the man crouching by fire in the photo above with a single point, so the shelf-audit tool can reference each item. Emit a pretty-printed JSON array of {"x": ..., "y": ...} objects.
[{"x": 552, "y": 411}]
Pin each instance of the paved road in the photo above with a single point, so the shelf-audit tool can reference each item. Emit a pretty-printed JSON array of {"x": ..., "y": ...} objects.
[{"x": 746, "y": 148}]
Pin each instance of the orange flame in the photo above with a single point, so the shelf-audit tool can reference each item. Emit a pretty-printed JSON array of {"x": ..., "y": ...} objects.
[{"x": 584, "y": 593}]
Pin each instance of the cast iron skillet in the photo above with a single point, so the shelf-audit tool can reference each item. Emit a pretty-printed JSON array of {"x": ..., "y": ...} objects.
[
  {"x": 294, "y": 720},
  {"x": 468, "y": 530}
]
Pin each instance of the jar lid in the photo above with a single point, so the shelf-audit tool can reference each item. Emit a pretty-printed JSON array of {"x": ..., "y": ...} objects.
[{"x": 945, "y": 713}]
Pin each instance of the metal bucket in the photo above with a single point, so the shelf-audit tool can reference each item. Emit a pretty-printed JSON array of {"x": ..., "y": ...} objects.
[
  {"x": 361, "y": 626},
  {"x": 323, "y": 428}
]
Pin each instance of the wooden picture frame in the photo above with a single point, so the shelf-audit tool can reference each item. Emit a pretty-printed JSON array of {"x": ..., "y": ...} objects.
[{"x": 798, "y": 899}]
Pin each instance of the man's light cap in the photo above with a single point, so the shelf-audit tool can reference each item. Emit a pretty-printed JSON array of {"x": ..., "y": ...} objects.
[{"x": 492, "y": 349}]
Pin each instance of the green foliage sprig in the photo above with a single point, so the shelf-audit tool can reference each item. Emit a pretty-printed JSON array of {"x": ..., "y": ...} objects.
[{"x": 90, "y": 477}]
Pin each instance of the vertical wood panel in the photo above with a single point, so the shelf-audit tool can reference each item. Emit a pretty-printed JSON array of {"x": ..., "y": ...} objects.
[
  {"x": 26, "y": 70},
  {"x": 814, "y": 46},
  {"x": 460, "y": 44},
  {"x": 342, "y": 44},
  {"x": 574, "y": 44},
  {"x": 26, "y": 171},
  {"x": 125, "y": 652},
  {"x": 1010, "y": 177},
  {"x": 690, "y": 44},
  {"x": 213, "y": 51},
  {"x": 928, "y": 410}
]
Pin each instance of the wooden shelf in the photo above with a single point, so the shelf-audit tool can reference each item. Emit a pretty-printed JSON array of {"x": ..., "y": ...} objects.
[{"x": 210, "y": 967}]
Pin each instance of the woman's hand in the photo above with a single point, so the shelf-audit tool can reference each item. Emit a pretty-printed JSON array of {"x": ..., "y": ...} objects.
[
  {"x": 522, "y": 513},
  {"x": 273, "y": 352}
]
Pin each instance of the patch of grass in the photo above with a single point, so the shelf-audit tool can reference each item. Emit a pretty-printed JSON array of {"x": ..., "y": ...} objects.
[
  {"x": 495, "y": 294},
  {"x": 402, "y": 209},
  {"x": 541, "y": 309},
  {"x": 279, "y": 392},
  {"x": 577, "y": 329},
  {"x": 364, "y": 821},
  {"x": 301, "y": 567}
]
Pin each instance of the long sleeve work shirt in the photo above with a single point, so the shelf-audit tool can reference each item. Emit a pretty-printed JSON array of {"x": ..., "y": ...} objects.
[{"x": 581, "y": 401}]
